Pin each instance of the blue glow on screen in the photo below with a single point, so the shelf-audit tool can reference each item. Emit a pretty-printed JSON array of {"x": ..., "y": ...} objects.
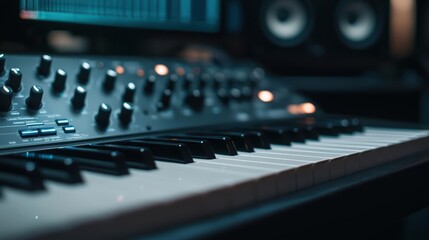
[{"x": 186, "y": 15}]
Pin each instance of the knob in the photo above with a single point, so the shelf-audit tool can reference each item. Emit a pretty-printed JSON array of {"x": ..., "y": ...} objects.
[
  {"x": 223, "y": 95},
  {"x": 247, "y": 92},
  {"x": 2, "y": 64},
  {"x": 172, "y": 80},
  {"x": 14, "y": 80},
  {"x": 195, "y": 99},
  {"x": 84, "y": 72},
  {"x": 126, "y": 113},
  {"x": 130, "y": 91},
  {"x": 103, "y": 116},
  {"x": 34, "y": 100},
  {"x": 6, "y": 94},
  {"x": 44, "y": 66},
  {"x": 164, "y": 103},
  {"x": 79, "y": 96},
  {"x": 150, "y": 83},
  {"x": 189, "y": 80},
  {"x": 205, "y": 78},
  {"x": 219, "y": 80},
  {"x": 59, "y": 83},
  {"x": 109, "y": 80}
]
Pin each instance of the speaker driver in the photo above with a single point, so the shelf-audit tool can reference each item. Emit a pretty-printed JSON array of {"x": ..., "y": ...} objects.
[
  {"x": 286, "y": 22},
  {"x": 358, "y": 23}
]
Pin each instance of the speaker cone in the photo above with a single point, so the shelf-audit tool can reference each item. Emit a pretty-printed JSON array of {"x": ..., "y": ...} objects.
[
  {"x": 286, "y": 22},
  {"x": 358, "y": 23}
]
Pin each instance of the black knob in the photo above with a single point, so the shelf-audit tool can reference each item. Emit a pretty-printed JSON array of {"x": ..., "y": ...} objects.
[
  {"x": 130, "y": 91},
  {"x": 205, "y": 78},
  {"x": 150, "y": 83},
  {"x": 14, "y": 80},
  {"x": 195, "y": 99},
  {"x": 126, "y": 113},
  {"x": 103, "y": 116},
  {"x": 34, "y": 100},
  {"x": 59, "y": 83},
  {"x": 189, "y": 81},
  {"x": 44, "y": 67},
  {"x": 79, "y": 96},
  {"x": 219, "y": 80},
  {"x": 165, "y": 101},
  {"x": 172, "y": 80},
  {"x": 84, "y": 72},
  {"x": 223, "y": 95},
  {"x": 6, "y": 94},
  {"x": 2, "y": 64},
  {"x": 109, "y": 80}
]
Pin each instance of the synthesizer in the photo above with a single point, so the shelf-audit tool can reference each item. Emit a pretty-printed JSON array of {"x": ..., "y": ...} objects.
[{"x": 107, "y": 147}]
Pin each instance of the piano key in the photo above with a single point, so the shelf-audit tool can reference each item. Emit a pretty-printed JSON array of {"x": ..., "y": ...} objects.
[
  {"x": 241, "y": 140},
  {"x": 257, "y": 138},
  {"x": 295, "y": 134},
  {"x": 98, "y": 160},
  {"x": 53, "y": 167},
  {"x": 136, "y": 157},
  {"x": 220, "y": 145},
  {"x": 198, "y": 148},
  {"x": 277, "y": 136},
  {"x": 20, "y": 174},
  {"x": 164, "y": 151}
]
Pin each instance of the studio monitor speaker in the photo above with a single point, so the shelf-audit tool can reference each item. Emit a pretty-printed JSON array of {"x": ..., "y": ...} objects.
[{"x": 314, "y": 36}]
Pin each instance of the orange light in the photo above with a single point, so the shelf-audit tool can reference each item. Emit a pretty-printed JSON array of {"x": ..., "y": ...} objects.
[
  {"x": 120, "y": 70},
  {"x": 265, "y": 96},
  {"x": 303, "y": 108},
  {"x": 140, "y": 72},
  {"x": 180, "y": 71},
  {"x": 161, "y": 69}
]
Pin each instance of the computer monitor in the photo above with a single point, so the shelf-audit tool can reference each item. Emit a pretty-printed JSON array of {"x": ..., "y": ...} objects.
[{"x": 180, "y": 15}]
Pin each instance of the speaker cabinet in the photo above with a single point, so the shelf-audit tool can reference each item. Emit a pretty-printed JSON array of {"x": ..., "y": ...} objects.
[{"x": 314, "y": 36}]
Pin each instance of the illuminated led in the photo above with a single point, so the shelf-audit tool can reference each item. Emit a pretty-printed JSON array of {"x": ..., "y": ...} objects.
[
  {"x": 120, "y": 70},
  {"x": 180, "y": 71},
  {"x": 265, "y": 96},
  {"x": 303, "y": 108},
  {"x": 140, "y": 72},
  {"x": 161, "y": 69}
]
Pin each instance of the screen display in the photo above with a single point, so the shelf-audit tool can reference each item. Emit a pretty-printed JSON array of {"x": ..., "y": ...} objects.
[{"x": 182, "y": 15}]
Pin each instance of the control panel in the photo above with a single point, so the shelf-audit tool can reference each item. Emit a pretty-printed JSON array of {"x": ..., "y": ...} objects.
[{"x": 53, "y": 100}]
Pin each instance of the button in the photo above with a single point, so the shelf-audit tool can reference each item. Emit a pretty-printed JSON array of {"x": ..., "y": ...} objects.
[
  {"x": 27, "y": 133},
  {"x": 47, "y": 131},
  {"x": 69, "y": 129},
  {"x": 62, "y": 122}
]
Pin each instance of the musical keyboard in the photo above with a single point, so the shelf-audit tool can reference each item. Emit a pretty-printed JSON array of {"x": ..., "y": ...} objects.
[{"x": 172, "y": 192}]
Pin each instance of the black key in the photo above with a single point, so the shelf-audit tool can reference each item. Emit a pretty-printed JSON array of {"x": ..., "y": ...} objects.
[
  {"x": 296, "y": 134},
  {"x": 53, "y": 167},
  {"x": 258, "y": 139},
  {"x": 241, "y": 141},
  {"x": 275, "y": 135},
  {"x": 20, "y": 174},
  {"x": 136, "y": 157},
  {"x": 220, "y": 145},
  {"x": 164, "y": 151},
  {"x": 198, "y": 148},
  {"x": 97, "y": 160}
]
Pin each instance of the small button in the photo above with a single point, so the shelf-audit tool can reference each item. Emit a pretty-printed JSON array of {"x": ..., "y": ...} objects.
[
  {"x": 62, "y": 122},
  {"x": 47, "y": 131},
  {"x": 69, "y": 129},
  {"x": 27, "y": 133}
]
